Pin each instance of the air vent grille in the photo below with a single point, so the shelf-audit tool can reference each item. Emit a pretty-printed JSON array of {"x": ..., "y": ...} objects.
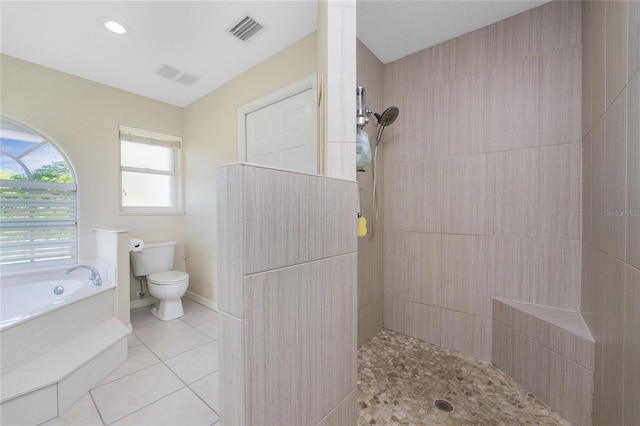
[{"x": 246, "y": 28}]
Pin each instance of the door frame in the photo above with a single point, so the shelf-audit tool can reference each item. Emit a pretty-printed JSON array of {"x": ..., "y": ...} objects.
[{"x": 309, "y": 82}]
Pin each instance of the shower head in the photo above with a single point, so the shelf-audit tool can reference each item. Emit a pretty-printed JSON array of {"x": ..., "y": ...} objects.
[
  {"x": 386, "y": 119},
  {"x": 388, "y": 116}
]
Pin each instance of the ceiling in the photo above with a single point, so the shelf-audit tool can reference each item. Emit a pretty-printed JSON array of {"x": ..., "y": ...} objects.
[{"x": 192, "y": 36}]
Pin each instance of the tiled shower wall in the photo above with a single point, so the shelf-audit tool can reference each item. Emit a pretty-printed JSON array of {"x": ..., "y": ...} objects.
[
  {"x": 482, "y": 177},
  {"x": 370, "y": 262},
  {"x": 611, "y": 204}
]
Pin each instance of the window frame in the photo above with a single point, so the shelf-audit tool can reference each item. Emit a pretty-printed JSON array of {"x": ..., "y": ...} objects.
[
  {"x": 32, "y": 226},
  {"x": 134, "y": 135}
]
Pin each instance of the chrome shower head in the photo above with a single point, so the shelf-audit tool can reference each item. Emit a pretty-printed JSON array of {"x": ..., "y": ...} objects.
[
  {"x": 386, "y": 119},
  {"x": 388, "y": 116}
]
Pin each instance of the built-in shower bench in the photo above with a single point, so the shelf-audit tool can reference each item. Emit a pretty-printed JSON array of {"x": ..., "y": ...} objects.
[{"x": 548, "y": 350}]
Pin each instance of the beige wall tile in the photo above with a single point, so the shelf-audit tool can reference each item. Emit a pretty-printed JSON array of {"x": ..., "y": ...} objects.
[
  {"x": 422, "y": 281},
  {"x": 538, "y": 369},
  {"x": 612, "y": 305},
  {"x": 513, "y": 106},
  {"x": 423, "y": 322},
  {"x": 597, "y": 184},
  {"x": 586, "y": 189},
  {"x": 344, "y": 414},
  {"x": 394, "y": 263},
  {"x": 559, "y": 214},
  {"x": 465, "y": 205},
  {"x": 510, "y": 270},
  {"x": 232, "y": 371},
  {"x": 502, "y": 347},
  {"x": 370, "y": 275},
  {"x": 394, "y": 203},
  {"x": 518, "y": 37},
  {"x": 560, "y": 96},
  {"x": 634, "y": 38},
  {"x": 514, "y": 204},
  {"x": 614, "y": 178},
  {"x": 230, "y": 248},
  {"x": 587, "y": 70},
  {"x": 341, "y": 160},
  {"x": 278, "y": 355},
  {"x": 633, "y": 172},
  {"x": 571, "y": 388},
  {"x": 617, "y": 20},
  {"x": 474, "y": 51},
  {"x": 631, "y": 347},
  {"x": 370, "y": 321},
  {"x": 423, "y": 123},
  {"x": 335, "y": 296},
  {"x": 598, "y": 47},
  {"x": 423, "y": 197},
  {"x": 465, "y": 285},
  {"x": 292, "y": 218},
  {"x": 560, "y": 25},
  {"x": 468, "y": 115},
  {"x": 394, "y": 316},
  {"x": 557, "y": 266},
  {"x": 466, "y": 333}
]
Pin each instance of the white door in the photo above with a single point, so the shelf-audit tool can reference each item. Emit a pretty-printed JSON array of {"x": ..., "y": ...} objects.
[{"x": 283, "y": 134}]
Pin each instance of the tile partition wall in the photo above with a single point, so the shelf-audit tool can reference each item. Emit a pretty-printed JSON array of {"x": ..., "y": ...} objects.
[
  {"x": 482, "y": 177},
  {"x": 611, "y": 204},
  {"x": 287, "y": 297},
  {"x": 369, "y": 76}
]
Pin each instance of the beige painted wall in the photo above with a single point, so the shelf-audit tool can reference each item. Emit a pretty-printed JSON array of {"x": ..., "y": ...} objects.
[
  {"x": 81, "y": 117},
  {"x": 209, "y": 135}
]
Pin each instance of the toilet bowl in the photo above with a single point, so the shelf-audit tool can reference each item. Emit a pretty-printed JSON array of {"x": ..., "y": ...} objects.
[
  {"x": 155, "y": 262},
  {"x": 168, "y": 287}
]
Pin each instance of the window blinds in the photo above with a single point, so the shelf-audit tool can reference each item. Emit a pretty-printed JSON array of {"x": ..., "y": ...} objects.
[{"x": 37, "y": 224}]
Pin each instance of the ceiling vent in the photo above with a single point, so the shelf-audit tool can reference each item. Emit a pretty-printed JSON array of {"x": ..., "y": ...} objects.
[
  {"x": 176, "y": 75},
  {"x": 246, "y": 28}
]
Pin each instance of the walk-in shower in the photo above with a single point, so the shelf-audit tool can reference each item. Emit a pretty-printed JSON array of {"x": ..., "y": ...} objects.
[{"x": 383, "y": 120}]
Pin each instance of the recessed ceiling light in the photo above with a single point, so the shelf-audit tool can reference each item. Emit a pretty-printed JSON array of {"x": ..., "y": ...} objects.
[{"x": 114, "y": 26}]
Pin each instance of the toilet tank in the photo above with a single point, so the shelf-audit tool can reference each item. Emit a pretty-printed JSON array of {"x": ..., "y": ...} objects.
[{"x": 153, "y": 258}]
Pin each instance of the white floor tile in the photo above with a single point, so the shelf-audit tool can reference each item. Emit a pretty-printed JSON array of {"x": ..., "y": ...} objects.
[
  {"x": 196, "y": 363},
  {"x": 128, "y": 394},
  {"x": 82, "y": 413},
  {"x": 155, "y": 330},
  {"x": 132, "y": 341},
  {"x": 169, "y": 346},
  {"x": 195, "y": 313},
  {"x": 208, "y": 388},
  {"x": 140, "y": 357},
  {"x": 180, "y": 408},
  {"x": 210, "y": 328}
]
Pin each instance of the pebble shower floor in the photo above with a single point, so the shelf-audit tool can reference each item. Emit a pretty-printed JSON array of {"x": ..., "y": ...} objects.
[{"x": 400, "y": 377}]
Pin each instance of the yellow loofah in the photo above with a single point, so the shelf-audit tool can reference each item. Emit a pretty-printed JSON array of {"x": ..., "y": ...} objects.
[{"x": 362, "y": 226}]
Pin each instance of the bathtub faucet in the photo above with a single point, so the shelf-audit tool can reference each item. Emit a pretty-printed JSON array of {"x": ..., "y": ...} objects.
[{"x": 94, "y": 278}]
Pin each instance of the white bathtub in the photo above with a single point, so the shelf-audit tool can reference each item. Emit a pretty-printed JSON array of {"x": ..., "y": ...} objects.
[
  {"x": 55, "y": 347},
  {"x": 19, "y": 302}
]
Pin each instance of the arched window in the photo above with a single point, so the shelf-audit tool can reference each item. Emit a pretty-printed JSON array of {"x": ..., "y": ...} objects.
[{"x": 38, "y": 225}]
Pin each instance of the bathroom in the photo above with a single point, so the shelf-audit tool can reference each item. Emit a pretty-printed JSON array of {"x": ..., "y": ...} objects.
[{"x": 581, "y": 259}]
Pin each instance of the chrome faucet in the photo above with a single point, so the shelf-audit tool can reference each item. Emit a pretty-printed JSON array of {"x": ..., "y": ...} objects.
[{"x": 94, "y": 278}]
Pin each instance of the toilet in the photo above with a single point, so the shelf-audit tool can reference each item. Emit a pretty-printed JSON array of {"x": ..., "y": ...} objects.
[{"x": 156, "y": 262}]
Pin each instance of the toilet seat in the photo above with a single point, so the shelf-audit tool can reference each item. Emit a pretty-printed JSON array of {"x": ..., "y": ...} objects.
[{"x": 169, "y": 277}]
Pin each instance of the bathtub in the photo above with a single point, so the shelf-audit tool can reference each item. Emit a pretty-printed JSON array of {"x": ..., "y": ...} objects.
[
  {"x": 19, "y": 302},
  {"x": 55, "y": 347}
]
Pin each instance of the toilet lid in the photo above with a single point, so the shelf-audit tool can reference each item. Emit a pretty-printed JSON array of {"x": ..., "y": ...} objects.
[{"x": 169, "y": 277}]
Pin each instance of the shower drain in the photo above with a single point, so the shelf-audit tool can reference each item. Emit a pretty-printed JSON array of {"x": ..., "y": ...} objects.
[{"x": 443, "y": 405}]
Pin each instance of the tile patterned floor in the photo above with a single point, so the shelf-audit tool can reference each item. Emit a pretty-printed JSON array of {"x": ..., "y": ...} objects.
[
  {"x": 399, "y": 378},
  {"x": 170, "y": 378}
]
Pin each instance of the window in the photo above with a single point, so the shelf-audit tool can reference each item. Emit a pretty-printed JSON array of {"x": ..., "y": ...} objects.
[
  {"x": 38, "y": 225},
  {"x": 149, "y": 172}
]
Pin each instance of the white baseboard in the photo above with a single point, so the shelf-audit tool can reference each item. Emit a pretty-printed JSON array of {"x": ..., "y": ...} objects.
[
  {"x": 201, "y": 300},
  {"x": 139, "y": 303}
]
